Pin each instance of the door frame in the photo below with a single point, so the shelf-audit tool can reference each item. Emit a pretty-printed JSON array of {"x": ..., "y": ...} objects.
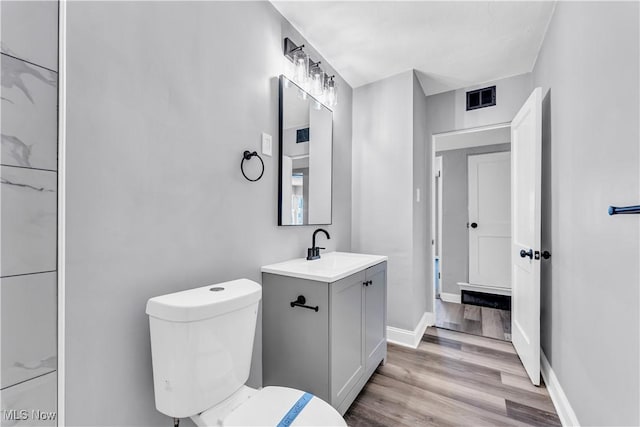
[
  {"x": 455, "y": 140},
  {"x": 436, "y": 217}
]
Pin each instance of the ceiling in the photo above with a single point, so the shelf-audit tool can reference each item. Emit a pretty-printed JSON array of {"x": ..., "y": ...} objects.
[{"x": 450, "y": 44}]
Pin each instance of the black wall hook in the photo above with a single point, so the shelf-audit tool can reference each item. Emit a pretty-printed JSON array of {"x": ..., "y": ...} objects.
[{"x": 247, "y": 155}]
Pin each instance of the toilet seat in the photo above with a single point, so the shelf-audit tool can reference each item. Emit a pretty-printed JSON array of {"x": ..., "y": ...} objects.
[{"x": 269, "y": 405}]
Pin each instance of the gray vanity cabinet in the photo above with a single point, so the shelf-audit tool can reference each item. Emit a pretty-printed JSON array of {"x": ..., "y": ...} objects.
[{"x": 331, "y": 352}]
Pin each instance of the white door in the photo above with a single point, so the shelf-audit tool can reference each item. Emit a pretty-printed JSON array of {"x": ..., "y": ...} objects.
[
  {"x": 490, "y": 220},
  {"x": 526, "y": 153}
]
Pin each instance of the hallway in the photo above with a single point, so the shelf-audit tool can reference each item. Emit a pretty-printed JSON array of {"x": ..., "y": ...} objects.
[{"x": 484, "y": 321}]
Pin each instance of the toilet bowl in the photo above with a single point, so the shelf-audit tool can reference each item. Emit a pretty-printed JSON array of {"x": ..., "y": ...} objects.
[
  {"x": 273, "y": 406},
  {"x": 201, "y": 347}
]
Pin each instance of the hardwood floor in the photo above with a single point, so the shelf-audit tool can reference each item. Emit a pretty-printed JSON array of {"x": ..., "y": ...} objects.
[
  {"x": 484, "y": 321},
  {"x": 452, "y": 379}
]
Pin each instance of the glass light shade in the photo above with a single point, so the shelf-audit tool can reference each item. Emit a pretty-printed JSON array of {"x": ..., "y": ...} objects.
[
  {"x": 287, "y": 66},
  {"x": 317, "y": 81},
  {"x": 331, "y": 94},
  {"x": 300, "y": 67}
]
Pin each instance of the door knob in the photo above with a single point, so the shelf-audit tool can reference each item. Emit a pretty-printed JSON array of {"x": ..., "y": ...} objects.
[
  {"x": 524, "y": 254},
  {"x": 474, "y": 225}
]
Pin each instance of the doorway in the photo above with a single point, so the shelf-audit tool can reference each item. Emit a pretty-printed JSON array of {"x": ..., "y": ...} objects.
[
  {"x": 486, "y": 290},
  {"x": 471, "y": 229}
]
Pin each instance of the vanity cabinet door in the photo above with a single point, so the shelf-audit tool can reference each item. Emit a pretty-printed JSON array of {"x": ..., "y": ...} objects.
[
  {"x": 347, "y": 361},
  {"x": 375, "y": 302}
]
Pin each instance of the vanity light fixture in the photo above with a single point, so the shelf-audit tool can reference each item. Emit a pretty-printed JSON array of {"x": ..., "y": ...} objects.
[
  {"x": 317, "y": 79},
  {"x": 300, "y": 67},
  {"x": 309, "y": 75},
  {"x": 331, "y": 92},
  {"x": 300, "y": 60}
]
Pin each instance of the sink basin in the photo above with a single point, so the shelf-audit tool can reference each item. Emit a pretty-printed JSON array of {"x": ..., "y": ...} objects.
[{"x": 330, "y": 267}]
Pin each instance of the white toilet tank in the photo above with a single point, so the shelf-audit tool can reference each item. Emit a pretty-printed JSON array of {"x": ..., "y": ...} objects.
[{"x": 201, "y": 344}]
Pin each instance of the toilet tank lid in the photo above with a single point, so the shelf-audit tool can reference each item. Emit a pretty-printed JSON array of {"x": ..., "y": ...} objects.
[{"x": 204, "y": 302}]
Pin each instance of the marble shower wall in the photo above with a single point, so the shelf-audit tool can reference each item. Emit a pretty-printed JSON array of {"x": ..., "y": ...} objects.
[
  {"x": 29, "y": 115},
  {"x": 30, "y": 31},
  {"x": 28, "y": 211}
]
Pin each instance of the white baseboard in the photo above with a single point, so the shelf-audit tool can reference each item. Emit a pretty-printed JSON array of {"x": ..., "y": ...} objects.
[
  {"x": 454, "y": 298},
  {"x": 559, "y": 399},
  {"x": 409, "y": 338}
]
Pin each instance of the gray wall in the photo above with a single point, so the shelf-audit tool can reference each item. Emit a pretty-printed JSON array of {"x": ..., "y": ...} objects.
[
  {"x": 163, "y": 98},
  {"x": 382, "y": 185},
  {"x": 422, "y": 268},
  {"x": 455, "y": 214},
  {"x": 590, "y": 325},
  {"x": 447, "y": 111},
  {"x": 386, "y": 145},
  {"x": 28, "y": 202}
]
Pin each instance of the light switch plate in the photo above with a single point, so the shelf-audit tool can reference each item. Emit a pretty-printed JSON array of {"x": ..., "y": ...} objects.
[{"x": 266, "y": 144}]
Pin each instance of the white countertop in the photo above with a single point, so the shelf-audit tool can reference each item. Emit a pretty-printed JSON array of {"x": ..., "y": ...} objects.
[{"x": 330, "y": 267}]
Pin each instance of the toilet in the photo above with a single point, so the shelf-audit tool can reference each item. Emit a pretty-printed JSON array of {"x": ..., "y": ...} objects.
[{"x": 201, "y": 347}]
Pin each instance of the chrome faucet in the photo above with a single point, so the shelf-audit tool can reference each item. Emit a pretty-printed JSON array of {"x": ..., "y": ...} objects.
[{"x": 314, "y": 252}]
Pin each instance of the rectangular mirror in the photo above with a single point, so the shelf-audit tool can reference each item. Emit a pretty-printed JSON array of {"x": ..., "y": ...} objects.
[{"x": 306, "y": 153}]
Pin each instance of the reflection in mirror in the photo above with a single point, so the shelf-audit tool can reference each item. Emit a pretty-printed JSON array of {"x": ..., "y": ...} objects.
[{"x": 305, "y": 158}]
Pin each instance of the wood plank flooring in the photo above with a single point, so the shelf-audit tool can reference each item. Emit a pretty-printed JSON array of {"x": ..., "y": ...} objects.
[
  {"x": 472, "y": 319},
  {"x": 452, "y": 379}
]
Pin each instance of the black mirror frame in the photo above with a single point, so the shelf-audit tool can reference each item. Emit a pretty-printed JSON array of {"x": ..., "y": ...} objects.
[{"x": 280, "y": 151}]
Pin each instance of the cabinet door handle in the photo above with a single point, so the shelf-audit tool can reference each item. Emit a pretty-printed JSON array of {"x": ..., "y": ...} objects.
[
  {"x": 367, "y": 283},
  {"x": 301, "y": 301}
]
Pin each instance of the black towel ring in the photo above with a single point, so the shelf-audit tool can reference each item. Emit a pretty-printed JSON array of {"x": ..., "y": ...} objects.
[{"x": 247, "y": 155}]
